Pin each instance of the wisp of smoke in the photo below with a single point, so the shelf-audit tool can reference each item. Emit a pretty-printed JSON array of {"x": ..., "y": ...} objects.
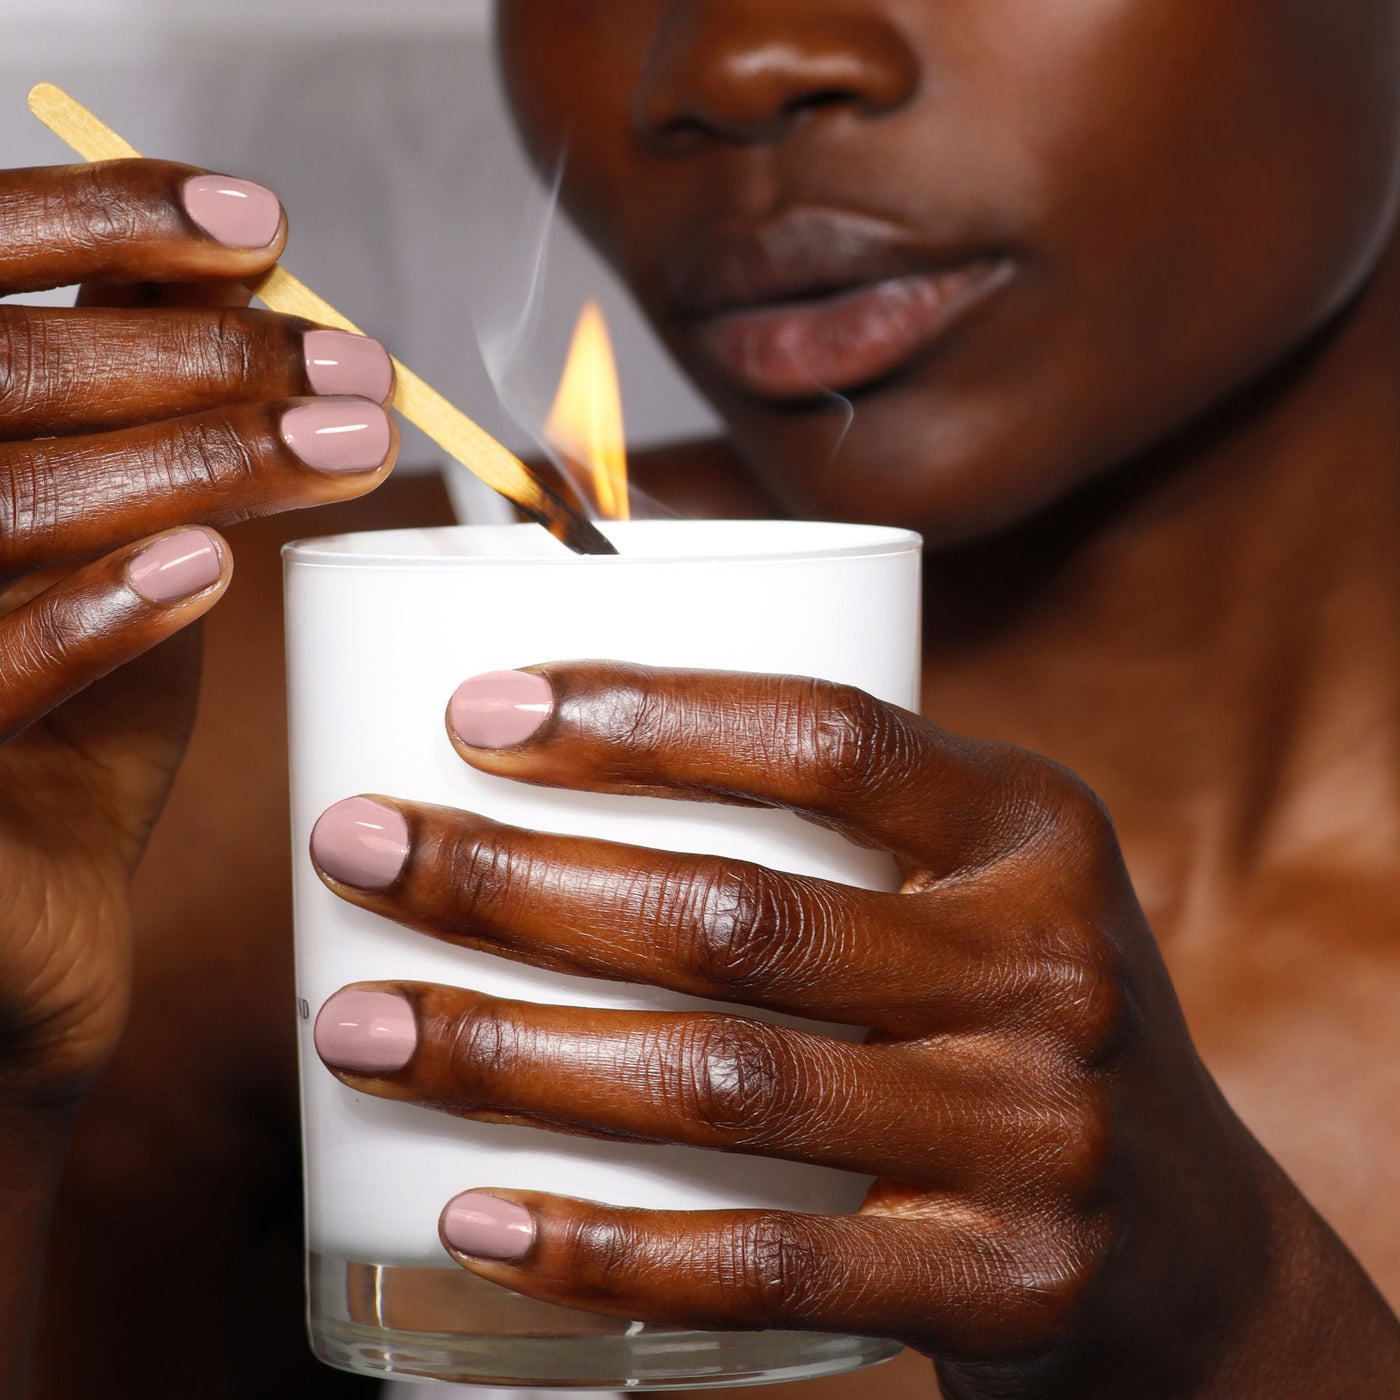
[
  {"x": 506, "y": 310},
  {"x": 521, "y": 347}
]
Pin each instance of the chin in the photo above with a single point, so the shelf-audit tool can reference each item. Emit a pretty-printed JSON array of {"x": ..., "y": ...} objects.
[{"x": 954, "y": 471}]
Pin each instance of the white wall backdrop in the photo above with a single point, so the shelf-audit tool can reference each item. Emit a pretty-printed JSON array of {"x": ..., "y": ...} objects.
[{"x": 380, "y": 124}]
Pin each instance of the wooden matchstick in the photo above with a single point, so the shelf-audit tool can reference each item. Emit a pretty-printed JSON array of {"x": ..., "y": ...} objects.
[{"x": 418, "y": 401}]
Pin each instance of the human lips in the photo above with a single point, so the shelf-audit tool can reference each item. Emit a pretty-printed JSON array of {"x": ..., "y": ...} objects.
[{"x": 822, "y": 300}]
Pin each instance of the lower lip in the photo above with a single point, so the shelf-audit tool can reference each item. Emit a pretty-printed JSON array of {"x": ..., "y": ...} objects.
[{"x": 798, "y": 350}]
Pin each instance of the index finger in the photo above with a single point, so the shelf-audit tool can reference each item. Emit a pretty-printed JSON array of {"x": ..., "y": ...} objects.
[
  {"x": 133, "y": 221},
  {"x": 880, "y": 775}
]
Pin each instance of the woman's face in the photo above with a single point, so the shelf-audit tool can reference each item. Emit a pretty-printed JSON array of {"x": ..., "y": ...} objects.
[{"x": 1025, "y": 239}]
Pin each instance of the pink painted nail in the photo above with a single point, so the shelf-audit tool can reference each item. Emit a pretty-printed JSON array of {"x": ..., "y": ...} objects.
[
  {"x": 237, "y": 213},
  {"x": 338, "y": 435},
  {"x": 366, "y": 1032},
  {"x": 500, "y": 708},
  {"x": 179, "y": 566},
  {"x": 360, "y": 843},
  {"x": 338, "y": 362},
  {"x": 487, "y": 1227}
]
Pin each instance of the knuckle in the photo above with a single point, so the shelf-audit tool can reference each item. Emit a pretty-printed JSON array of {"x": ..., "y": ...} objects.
[
  {"x": 221, "y": 348},
  {"x": 47, "y": 370},
  {"x": 844, "y": 738},
  {"x": 481, "y": 1046},
  {"x": 777, "y": 1264},
  {"x": 251, "y": 349},
  {"x": 206, "y": 454},
  {"x": 737, "y": 1079},
  {"x": 1088, "y": 822},
  {"x": 1073, "y": 973},
  {"x": 598, "y": 1250},
  {"x": 49, "y": 636},
  {"x": 740, "y": 929},
  {"x": 1085, "y": 1150},
  {"x": 1072, "y": 1139},
  {"x": 628, "y": 713},
  {"x": 482, "y": 873},
  {"x": 17, "y": 361},
  {"x": 29, "y": 507},
  {"x": 105, "y": 207},
  {"x": 1082, "y": 990},
  {"x": 1043, "y": 1272},
  {"x": 238, "y": 349},
  {"x": 1070, "y": 819}
]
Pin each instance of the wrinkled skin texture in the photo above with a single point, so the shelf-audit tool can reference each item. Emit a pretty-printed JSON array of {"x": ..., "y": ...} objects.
[
  {"x": 116, "y": 427},
  {"x": 1145, "y": 184},
  {"x": 1063, "y": 1203},
  {"x": 1159, "y": 464}
]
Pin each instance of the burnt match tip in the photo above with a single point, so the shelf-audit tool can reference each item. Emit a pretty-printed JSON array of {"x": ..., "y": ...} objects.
[
  {"x": 569, "y": 526},
  {"x": 584, "y": 537}
]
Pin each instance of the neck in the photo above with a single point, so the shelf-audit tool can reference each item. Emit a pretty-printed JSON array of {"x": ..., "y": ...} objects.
[{"x": 1209, "y": 638}]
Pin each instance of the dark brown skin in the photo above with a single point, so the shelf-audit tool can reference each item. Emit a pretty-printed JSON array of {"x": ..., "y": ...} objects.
[
  {"x": 1063, "y": 1205},
  {"x": 115, "y": 428},
  {"x": 1159, "y": 461}
]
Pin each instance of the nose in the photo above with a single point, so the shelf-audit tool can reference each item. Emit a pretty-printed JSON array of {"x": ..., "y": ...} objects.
[{"x": 749, "y": 70}]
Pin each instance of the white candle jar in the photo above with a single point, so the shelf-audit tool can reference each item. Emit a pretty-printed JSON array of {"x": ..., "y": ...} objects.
[{"x": 381, "y": 628}]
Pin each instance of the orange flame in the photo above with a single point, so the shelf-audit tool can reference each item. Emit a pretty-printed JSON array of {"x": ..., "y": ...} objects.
[{"x": 585, "y": 422}]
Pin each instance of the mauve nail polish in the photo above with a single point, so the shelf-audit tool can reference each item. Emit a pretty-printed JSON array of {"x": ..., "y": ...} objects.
[
  {"x": 178, "y": 566},
  {"x": 500, "y": 708},
  {"x": 236, "y": 213},
  {"x": 366, "y": 1032},
  {"x": 360, "y": 843},
  {"x": 338, "y": 435},
  {"x": 488, "y": 1227},
  {"x": 338, "y": 362}
]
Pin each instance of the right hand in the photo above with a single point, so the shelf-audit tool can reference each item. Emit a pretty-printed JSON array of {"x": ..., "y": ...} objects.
[{"x": 157, "y": 406}]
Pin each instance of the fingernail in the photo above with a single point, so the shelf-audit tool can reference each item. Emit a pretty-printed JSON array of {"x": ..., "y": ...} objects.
[
  {"x": 500, "y": 708},
  {"x": 360, "y": 843},
  {"x": 338, "y": 435},
  {"x": 488, "y": 1227},
  {"x": 338, "y": 362},
  {"x": 238, "y": 213},
  {"x": 366, "y": 1032},
  {"x": 178, "y": 566}
]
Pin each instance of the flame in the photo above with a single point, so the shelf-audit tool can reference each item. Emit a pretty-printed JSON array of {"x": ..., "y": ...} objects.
[{"x": 585, "y": 422}]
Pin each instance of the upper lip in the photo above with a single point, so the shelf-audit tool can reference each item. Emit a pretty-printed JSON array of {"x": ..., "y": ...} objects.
[{"x": 804, "y": 252}]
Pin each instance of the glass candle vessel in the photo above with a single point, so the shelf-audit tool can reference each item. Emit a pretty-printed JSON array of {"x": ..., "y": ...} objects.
[{"x": 381, "y": 628}]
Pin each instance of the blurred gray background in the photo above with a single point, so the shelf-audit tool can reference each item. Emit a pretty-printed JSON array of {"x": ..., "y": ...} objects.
[{"x": 381, "y": 126}]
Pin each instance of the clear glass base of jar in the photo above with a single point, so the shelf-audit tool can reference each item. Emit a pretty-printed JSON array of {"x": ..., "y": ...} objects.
[{"x": 448, "y": 1325}]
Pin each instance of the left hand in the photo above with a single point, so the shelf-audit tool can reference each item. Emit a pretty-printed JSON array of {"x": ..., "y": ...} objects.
[{"x": 1064, "y": 1203}]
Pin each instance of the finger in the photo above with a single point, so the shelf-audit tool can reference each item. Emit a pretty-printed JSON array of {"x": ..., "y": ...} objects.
[
  {"x": 70, "y": 498},
  {"x": 146, "y": 296},
  {"x": 722, "y": 929},
  {"x": 102, "y": 615},
  {"x": 878, "y": 774},
  {"x": 930, "y": 1276},
  {"x": 706, "y": 1079},
  {"x": 65, "y": 372},
  {"x": 131, "y": 221}
]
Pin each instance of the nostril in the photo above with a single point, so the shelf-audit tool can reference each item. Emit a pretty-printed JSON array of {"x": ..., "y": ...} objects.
[
  {"x": 750, "y": 81},
  {"x": 817, "y": 101},
  {"x": 681, "y": 133}
]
